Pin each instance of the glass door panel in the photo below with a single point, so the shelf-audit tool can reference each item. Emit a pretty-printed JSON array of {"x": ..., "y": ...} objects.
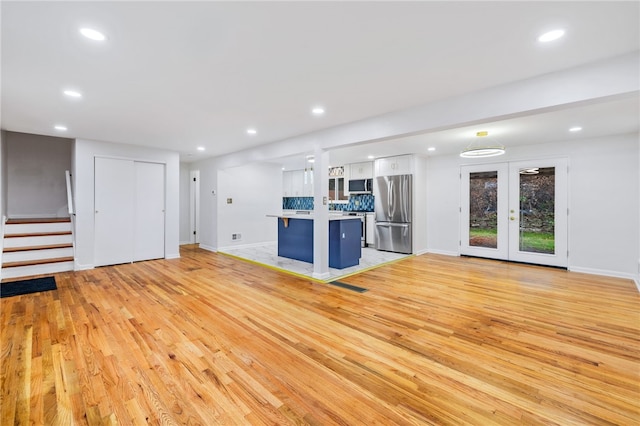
[
  {"x": 538, "y": 212},
  {"x": 484, "y": 196},
  {"x": 483, "y": 209}
]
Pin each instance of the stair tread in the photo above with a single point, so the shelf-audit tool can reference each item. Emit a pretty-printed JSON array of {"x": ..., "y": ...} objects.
[
  {"x": 42, "y": 247},
  {"x": 37, "y": 234},
  {"x": 37, "y": 262},
  {"x": 16, "y": 221}
]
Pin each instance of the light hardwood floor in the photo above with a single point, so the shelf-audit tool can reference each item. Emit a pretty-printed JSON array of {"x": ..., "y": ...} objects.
[{"x": 209, "y": 339}]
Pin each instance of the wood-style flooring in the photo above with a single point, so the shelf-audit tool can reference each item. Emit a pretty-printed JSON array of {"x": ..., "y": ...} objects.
[{"x": 208, "y": 339}]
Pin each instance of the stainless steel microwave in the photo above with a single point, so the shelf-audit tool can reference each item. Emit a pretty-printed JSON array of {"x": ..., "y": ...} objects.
[{"x": 360, "y": 186}]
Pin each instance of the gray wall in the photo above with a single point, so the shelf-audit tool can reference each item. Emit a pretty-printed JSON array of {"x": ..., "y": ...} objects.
[
  {"x": 35, "y": 178},
  {"x": 3, "y": 173}
]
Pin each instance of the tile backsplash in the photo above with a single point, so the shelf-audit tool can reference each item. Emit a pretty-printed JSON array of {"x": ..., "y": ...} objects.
[
  {"x": 357, "y": 203},
  {"x": 360, "y": 203},
  {"x": 297, "y": 203}
]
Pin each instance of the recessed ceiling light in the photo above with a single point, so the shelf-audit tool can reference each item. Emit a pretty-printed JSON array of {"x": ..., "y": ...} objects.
[
  {"x": 575, "y": 129},
  {"x": 371, "y": 157},
  {"x": 72, "y": 94},
  {"x": 60, "y": 127},
  {"x": 318, "y": 111},
  {"x": 551, "y": 36},
  {"x": 200, "y": 148},
  {"x": 252, "y": 131},
  {"x": 92, "y": 34},
  {"x": 431, "y": 148}
]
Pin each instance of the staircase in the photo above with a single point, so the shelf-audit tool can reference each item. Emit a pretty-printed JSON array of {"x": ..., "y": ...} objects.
[{"x": 37, "y": 246}]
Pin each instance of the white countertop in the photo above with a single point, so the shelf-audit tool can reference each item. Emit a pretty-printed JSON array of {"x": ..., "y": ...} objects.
[{"x": 332, "y": 216}]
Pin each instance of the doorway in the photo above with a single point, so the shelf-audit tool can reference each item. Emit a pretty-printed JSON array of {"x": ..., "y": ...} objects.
[
  {"x": 194, "y": 207},
  {"x": 515, "y": 211}
]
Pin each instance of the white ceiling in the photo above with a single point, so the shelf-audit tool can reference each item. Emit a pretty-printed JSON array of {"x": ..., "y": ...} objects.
[{"x": 178, "y": 75}]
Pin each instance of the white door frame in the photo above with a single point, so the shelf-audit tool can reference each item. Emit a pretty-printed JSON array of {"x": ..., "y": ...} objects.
[{"x": 508, "y": 210}]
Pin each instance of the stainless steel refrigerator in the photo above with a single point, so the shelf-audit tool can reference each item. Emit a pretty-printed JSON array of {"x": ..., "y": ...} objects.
[{"x": 393, "y": 202}]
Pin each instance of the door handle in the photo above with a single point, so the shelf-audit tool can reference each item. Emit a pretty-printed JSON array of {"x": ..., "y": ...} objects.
[{"x": 512, "y": 218}]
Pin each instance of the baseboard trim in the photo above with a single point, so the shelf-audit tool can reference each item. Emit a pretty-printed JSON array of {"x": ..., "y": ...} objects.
[
  {"x": 172, "y": 256},
  {"x": 244, "y": 246},
  {"x": 444, "y": 252},
  {"x": 603, "y": 272},
  {"x": 208, "y": 248},
  {"x": 79, "y": 267}
]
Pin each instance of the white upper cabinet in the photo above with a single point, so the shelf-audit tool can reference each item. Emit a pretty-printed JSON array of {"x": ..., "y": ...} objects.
[
  {"x": 297, "y": 183},
  {"x": 398, "y": 165},
  {"x": 361, "y": 170}
]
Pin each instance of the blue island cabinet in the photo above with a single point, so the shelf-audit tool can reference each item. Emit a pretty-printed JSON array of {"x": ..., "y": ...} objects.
[{"x": 295, "y": 241}]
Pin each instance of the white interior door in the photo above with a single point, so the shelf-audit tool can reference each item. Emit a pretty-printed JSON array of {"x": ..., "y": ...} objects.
[
  {"x": 149, "y": 211},
  {"x": 515, "y": 211},
  {"x": 114, "y": 202}
]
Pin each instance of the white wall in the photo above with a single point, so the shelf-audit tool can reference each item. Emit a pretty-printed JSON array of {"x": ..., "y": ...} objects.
[
  {"x": 420, "y": 212},
  {"x": 36, "y": 185},
  {"x": 255, "y": 190},
  {"x": 185, "y": 209},
  {"x": 604, "y": 232},
  {"x": 83, "y": 181}
]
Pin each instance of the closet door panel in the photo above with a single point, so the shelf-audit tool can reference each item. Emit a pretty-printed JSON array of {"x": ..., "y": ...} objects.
[
  {"x": 114, "y": 206},
  {"x": 149, "y": 211}
]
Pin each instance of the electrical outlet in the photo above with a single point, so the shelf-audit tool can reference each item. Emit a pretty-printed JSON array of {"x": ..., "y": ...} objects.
[
  {"x": 236, "y": 236},
  {"x": 229, "y": 200}
]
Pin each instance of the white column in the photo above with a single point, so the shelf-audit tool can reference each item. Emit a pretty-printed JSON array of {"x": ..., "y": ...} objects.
[{"x": 321, "y": 214}]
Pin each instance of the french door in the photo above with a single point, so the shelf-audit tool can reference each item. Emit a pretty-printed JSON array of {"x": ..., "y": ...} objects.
[{"x": 515, "y": 211}]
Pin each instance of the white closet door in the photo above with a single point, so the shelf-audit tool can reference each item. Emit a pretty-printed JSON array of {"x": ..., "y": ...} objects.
[
  {"x": 114, "y": 204},
  {"x": 149, "y": 211}
]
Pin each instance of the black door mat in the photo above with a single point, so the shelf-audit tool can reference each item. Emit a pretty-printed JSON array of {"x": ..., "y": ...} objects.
[{"x": 33, "y": 285}]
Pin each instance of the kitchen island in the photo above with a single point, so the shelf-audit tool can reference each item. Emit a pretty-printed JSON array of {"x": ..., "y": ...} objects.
[{"x": 295, "y": 239}]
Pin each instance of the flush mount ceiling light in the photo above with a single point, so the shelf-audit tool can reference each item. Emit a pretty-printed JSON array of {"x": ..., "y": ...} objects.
[
  {"x": 60, "y": 127},
  {"x": 311, "y": 159},
  {"x": 317, "y": 111},
  {"x": 200, "y": 148},
  {"x": 72, "y": 93},
  {"x": 252, "y": 131},
  {"x": 551, "y": 36},
  {"x": 575, "y": 129},
  {"x": 431, "y": 149},
  {"x": 92, "y": 34},
  {"x": 482, "y": 151}
]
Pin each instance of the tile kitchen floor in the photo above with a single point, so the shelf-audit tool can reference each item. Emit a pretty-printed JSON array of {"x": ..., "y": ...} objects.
[{"x": 268, "y": 255}]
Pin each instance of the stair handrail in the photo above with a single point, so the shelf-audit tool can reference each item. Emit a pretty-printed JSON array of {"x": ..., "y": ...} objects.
[{"x": 69, "y": 193}]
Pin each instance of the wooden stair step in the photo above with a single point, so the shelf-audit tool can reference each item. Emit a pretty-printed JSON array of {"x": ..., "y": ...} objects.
[
  {"x": 16, "y": 221},
  {"x": 43, "y": 247},
  {"x": 37, "y": 262},
  {"x": 37, "y": 234}
]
